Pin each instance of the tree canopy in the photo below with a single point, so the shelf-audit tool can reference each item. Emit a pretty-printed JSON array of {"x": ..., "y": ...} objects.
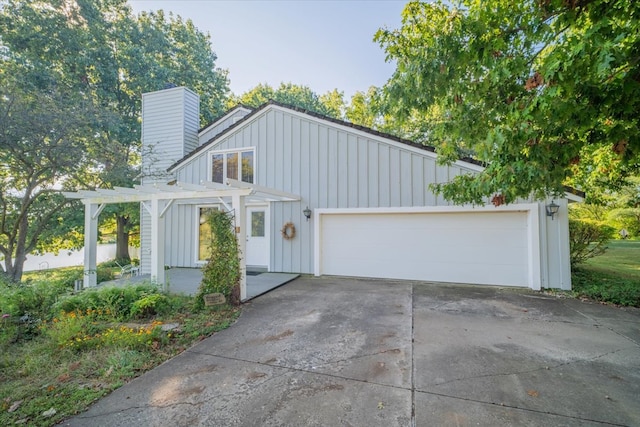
[
  {"x": 71, "y": 78},
  {"x": 329, "y": 104},
  {"x": 546, "y": 92}
]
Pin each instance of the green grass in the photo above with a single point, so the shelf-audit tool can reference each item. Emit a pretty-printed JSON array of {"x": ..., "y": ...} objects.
[
  {"x": 613, "y": 277},
  {"x": 68, "y": 275},
  {"x": 75, "y": 349},
  {"x": 622, "y": 258}
]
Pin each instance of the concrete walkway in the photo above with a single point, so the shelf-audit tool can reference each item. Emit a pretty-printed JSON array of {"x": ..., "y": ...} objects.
[{"x": 346, "y": 352}]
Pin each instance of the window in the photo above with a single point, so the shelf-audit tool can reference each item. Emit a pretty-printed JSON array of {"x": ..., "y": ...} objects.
[
  {"x": 204, "y": 232},
  {"x": 217, "y": 169},
  {"x": 247, "y": 166},
  {"x": 233, "y": 164},
  {"x": 257, "y": 224}
]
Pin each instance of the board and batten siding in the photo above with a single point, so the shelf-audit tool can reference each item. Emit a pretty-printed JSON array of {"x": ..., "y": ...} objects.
[{"x": 329, "y": 165}]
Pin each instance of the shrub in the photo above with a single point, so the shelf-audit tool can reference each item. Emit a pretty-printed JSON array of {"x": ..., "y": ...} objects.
[
  {"x": 587, "y": 239},
  {"x": 118, "y": 302},
  {"x": 30, "y": 299},
  {"x": 222, "y": 273},
  {"x": 150, "y": 305},
  {"x": 24, "y": 305}
]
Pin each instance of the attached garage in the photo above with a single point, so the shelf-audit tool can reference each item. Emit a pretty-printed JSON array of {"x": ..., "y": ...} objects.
[{"x": 461, "y": 245}]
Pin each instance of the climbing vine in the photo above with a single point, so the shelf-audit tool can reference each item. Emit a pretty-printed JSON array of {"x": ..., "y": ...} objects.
[{"x": 221, "y": 273}]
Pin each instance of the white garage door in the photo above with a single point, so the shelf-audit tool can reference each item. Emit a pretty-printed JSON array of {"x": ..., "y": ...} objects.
[{"x": 481, "y": 247}]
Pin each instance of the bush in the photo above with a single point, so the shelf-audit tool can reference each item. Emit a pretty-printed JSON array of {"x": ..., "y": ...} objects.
[
  {"x": 23, "y": 306},
  {"x": 118, "y": 302},
  {"x": 222, "y": 273},
  {"x": 31, "y": 299},
  {"x": 587, "y": 239},
  {"x": 150, "y": 305}
]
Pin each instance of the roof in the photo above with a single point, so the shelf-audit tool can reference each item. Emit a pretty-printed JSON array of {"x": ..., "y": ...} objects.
[
  {"x": 311, "y": 113},
  {"x": 223, "y": 115},
  {"x": 256, "y": 111}
]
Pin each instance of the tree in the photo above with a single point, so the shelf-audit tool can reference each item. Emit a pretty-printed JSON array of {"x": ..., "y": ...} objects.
[
  {"x": 97, "y": 55},
  {"x": 364, "y": 109},
  {"x": 42, "y": 140},
  {"x": 155, "y": 51},
  {"x": 534, "y": 88},
  {"x": 333, "y": 102},
  {"x": 292, "y": 94},
  {"x": 626, "y": 208}
]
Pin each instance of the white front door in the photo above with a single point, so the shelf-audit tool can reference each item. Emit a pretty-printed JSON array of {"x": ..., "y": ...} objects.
[{"x": 257, "y": 236}]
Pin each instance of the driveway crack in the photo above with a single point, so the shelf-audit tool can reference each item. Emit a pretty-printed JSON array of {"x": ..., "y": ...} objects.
[
  {"x": 596, "y": 323},
  {"x": 307, "y": 371},
  {"x": 413, "y": 364},
  {"x": 528, "y": 371},
  {"x": 502, "y": 405},
  {"x": 358, "y": 356}
]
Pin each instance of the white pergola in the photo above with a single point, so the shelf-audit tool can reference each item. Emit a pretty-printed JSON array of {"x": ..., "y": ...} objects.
[{"x": 157, "y": 198}]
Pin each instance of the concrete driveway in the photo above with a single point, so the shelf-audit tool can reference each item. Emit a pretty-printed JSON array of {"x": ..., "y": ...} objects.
[{"x": 348, "y": 352}]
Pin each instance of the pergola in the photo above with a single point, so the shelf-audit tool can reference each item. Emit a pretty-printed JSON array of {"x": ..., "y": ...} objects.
[{"x": 157, "y": 198}]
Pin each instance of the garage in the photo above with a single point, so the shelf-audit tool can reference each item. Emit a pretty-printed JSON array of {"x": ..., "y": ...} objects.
[{"x": 489, "y": 247}]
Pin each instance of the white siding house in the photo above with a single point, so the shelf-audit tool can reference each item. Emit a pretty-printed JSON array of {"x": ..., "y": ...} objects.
[{"x": 372, "y": 213}]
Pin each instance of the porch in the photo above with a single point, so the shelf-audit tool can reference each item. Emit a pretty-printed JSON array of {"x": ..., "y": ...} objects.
[
  {"x": 186, "y": 281},
  {"x": 156, "y": 199}
]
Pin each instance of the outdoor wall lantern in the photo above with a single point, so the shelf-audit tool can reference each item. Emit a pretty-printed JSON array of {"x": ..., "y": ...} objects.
[
  {"x": 552, "y": 209},
  {"x": 307, "y": 213}
]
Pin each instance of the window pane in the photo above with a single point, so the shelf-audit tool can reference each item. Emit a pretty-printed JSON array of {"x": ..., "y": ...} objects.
[
  {"x": 204, "y": 233},
  {"x": 232, "y": 165},
  {"x": 257, "y": 224},
  {"x": 217, "y": 168},
  {"x": 247, "y": 166}
]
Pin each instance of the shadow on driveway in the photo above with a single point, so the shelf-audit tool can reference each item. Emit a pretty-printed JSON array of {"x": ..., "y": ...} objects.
[{"x": 356, "y": 352}]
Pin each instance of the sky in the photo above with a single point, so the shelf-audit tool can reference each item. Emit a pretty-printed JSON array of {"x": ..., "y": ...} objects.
[{"x": 323, "y": 44}]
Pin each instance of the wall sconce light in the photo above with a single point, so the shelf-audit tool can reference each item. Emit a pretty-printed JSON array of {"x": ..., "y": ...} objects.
[
  {"x": 552, "y": 209},
  {"x": 307, "y": 213}
]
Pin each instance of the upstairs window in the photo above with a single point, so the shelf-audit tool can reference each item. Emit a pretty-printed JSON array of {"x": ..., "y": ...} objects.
[{"x": 238, "y": 165}]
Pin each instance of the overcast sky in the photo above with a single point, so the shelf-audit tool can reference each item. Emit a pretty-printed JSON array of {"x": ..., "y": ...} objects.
[{"x": 321, "y": 44}]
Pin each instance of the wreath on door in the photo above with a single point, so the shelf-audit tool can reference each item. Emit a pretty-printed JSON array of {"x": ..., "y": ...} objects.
[{"x": 288, "y": 231}]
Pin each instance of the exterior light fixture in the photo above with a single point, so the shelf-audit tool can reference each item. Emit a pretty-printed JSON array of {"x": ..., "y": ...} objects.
[
  {"x": 307, "y": 213},
  {"x": 552, "y": 209}
]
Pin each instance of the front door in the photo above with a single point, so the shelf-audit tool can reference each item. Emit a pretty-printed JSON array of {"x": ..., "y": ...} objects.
[{"x": 257, "y": 236}]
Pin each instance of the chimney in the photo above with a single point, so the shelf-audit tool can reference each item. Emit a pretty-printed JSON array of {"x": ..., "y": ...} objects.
[{"x": 170, "y": 123}]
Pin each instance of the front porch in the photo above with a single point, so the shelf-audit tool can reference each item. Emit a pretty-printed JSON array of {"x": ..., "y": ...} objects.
[
  {"x": 156, "y": 199},
  {"x": 186, "y": 281}
]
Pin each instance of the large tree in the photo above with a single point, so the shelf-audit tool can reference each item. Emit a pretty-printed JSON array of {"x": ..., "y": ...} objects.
[
  {"x": 42, "y": 140},
  {"x": 543, "y": 91},
  {"x": 98, "y": 58},
  {"x": 330, "y": 104}
]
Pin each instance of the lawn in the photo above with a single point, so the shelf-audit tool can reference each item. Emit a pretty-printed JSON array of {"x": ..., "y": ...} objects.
[
  {"x": 613, "y": 277},
  {"x": 621, "y": 258},
  {"x": 59, "y": 351}
]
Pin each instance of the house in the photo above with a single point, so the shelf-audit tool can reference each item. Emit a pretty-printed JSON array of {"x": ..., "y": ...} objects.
[{"x": 316, "y": 195}]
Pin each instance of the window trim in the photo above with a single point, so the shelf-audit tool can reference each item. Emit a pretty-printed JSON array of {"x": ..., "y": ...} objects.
[{"x": 224, "y": 167}]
